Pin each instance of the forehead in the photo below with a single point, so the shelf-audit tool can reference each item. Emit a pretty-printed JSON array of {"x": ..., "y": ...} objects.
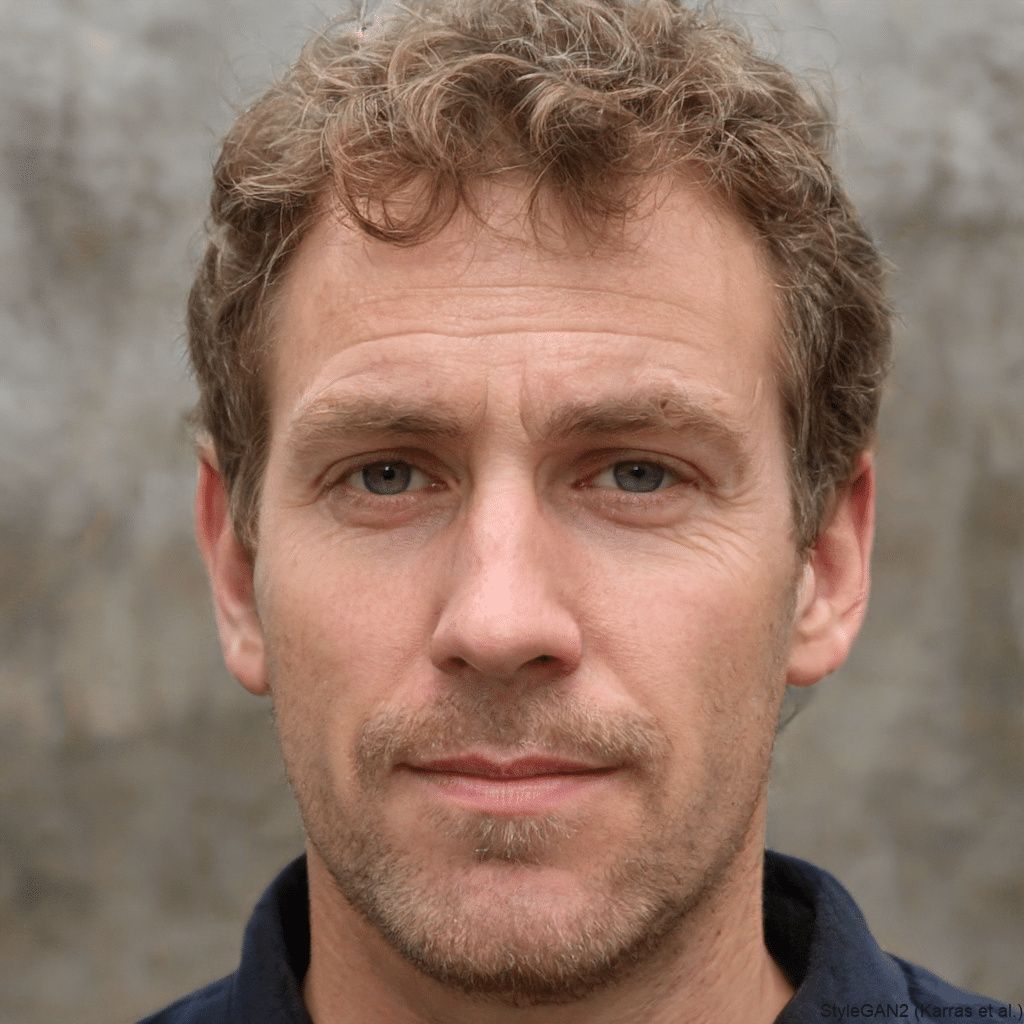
[{"x": 684, "y": 275}]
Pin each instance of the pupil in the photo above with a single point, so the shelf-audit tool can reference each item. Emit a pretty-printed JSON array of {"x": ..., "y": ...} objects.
[
  {"x": 387, "y": 477},
  {"x": 639, "y": 476}
]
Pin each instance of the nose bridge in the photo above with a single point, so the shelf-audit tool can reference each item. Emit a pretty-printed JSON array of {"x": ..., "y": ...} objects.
[
  {"x": 503, "y": 524},
  {"x": 504, "y": 607},
  {"x": 499, "y": 564}
]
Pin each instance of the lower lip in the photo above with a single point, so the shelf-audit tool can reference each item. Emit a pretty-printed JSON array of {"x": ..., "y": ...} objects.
[{"x": 513, "y": 797}]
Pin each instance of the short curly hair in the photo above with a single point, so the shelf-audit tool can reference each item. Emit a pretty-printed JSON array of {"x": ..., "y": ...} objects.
[{"x": 588, "y": 99}]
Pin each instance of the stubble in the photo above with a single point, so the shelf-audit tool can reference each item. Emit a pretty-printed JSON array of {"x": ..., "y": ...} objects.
[{"x": 481, "y": 929}]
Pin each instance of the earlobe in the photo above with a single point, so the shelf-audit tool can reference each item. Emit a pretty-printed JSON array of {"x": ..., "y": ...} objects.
[
  {"x": 834, "y": 589},
  {"x": 230, "y": 570}
]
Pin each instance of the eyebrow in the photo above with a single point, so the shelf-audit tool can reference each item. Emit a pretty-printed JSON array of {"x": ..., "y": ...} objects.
[
  {"x": 667, "y": 410},
  {"x": 325, "y": 421},
  {"x": 662, "y": 411}
]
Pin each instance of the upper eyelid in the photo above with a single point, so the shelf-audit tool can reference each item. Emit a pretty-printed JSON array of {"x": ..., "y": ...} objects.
[
  {"x": 346, "y": 467},
  {"x": 606, "y": 466},
  {"x": 679, "y": 467}
]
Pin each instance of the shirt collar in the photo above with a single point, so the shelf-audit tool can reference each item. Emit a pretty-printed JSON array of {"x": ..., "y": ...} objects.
[{"x": 813, "y": 930}]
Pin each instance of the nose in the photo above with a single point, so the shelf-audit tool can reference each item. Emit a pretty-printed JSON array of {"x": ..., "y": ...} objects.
[{"x": 505, "y": 616}]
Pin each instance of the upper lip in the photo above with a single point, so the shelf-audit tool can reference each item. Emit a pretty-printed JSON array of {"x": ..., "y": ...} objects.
[{"x": 517, "y": 768}]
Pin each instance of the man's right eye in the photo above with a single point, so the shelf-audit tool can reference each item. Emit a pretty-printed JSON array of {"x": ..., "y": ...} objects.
[{"x": 391, "y": 476}]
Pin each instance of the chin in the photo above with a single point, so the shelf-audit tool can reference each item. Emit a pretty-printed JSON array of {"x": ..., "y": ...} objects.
[{"x": 523, "y": 911}]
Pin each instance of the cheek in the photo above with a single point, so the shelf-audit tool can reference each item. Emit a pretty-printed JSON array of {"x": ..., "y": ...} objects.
[
  {"x": 341, "y": 635},
  {"x": 704, "y": 653},
  {"x": 345, "y": 605},
  {"x": 698, "y": 619}
]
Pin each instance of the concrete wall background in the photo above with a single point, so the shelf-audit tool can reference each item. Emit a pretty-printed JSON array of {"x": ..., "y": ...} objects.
[{"x": 144, "y": 807}]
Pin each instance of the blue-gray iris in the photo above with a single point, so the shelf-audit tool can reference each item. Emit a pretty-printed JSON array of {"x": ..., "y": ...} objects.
[
  {"x": 387, "y": 477},
  {"x": 639, "y": 476}
]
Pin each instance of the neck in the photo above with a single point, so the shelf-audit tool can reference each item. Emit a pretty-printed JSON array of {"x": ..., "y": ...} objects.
[{"x": 715, "y": 968}]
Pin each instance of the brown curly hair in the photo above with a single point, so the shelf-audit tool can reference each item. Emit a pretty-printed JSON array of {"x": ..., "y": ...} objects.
[{"x": 588, "y": 99}]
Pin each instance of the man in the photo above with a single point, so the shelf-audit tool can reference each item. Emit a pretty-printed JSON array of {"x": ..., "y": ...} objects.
[{"x": 539, "y": 356}]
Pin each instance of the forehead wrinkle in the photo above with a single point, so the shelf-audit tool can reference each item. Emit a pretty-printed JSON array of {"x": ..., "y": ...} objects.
[{"x": 461, "y": 311}]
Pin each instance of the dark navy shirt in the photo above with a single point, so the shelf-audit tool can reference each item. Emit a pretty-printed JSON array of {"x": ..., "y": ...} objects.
[{"x": 813, "y": 929}]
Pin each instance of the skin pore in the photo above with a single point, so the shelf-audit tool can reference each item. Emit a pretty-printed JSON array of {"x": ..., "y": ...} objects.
[{"x": 526, "y": 599}]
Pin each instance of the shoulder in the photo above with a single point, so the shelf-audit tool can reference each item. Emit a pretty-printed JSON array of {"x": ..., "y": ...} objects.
[
  {"x": 930, "y": 994},
  {"x": 267, "y": 986},
  {"x": 819, "y": 938},
  {"x": 209, "y": 1005}
]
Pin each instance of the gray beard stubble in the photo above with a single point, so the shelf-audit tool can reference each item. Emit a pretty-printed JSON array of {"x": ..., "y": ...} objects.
[{"x": 639, "y": 902}]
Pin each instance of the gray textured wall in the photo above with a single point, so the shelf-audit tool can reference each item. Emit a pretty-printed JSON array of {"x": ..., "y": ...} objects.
[{"x": 143, "y": 802}]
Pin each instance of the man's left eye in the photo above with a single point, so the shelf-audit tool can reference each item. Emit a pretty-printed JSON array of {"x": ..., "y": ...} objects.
[{"x": 636, "y": 476}]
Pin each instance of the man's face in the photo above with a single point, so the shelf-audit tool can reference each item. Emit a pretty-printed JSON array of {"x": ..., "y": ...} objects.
[{"x": 525, "y": 584}]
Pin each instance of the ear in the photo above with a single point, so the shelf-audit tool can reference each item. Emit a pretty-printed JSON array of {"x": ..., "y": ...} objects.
[
  {"x": 834, "y": 592},
  {"x": 231, "y": 578}
]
